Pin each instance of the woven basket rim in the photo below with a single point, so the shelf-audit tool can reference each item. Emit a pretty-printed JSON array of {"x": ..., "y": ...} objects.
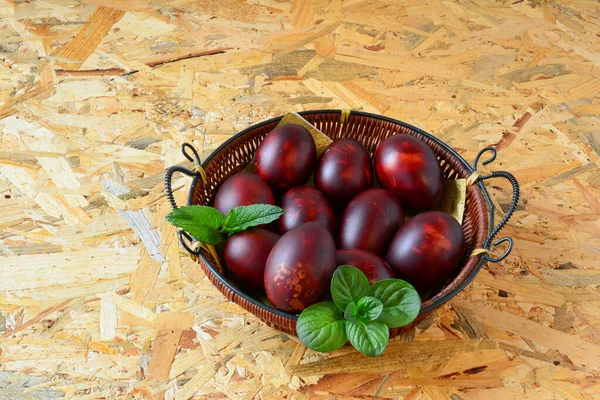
[{"x": 294, "y": 317}]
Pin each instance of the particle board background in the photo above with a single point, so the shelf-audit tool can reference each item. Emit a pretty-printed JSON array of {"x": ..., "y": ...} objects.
[{"x": 96, "y": 96}]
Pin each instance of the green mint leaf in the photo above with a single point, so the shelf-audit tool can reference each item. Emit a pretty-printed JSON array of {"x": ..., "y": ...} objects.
[
  {"x": 348, "y": 285},
  {"x": 202, "y": 222},
  {"x": 401, "y": 302},
  {"x": 370, "y": 338},
  {"x": 350, "y": 313},
  {"x": 369, "y": 308},
  {"x": 244, "y": 217},
  {"x": 321, "y": 327}
]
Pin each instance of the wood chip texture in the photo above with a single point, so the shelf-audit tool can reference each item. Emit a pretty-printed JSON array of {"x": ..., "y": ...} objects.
[{"x": 97, "y": 299}]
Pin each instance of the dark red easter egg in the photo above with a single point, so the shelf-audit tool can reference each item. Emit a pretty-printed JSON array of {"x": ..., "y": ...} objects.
[
  {"x": 286, "y": 157},
  {"x": 426, "y": 250},
  {"x": 304, "y": 204},
  {"x": 408, "y": 168},
  {"x": 242, "y": 189},
  {"x": 344, "y": 171},
  {"x": 374, "y": 268},
  {"x": 299, "y": 269},
  {"x": 370, "y": 221},
  {"x": 245, "y": 255}
]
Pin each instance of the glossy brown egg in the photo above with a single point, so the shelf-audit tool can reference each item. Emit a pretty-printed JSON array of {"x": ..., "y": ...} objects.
[
  {"x": 304, "y": 204},
  {"x": 374, "y": 268},
  {"x": 426, "y": 250},
  {"x": 408, "y": 168},
  {"x": 286, "y": 157},
  {"x": 245, "y": 255},
  {"x": 370, "y": 221},
  {"x": 299, "y": 269},
  {"x": 242, "y": 189},
  {"x": 344, "y": 171}
]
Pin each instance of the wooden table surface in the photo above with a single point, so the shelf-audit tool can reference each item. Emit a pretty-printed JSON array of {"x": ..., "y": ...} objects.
[{"x": 97, "y": 300}]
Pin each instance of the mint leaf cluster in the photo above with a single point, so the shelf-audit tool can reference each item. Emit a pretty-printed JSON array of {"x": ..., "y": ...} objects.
[
  {"x": 360, "y": 312},
  {"x": 208, "y": 225}
]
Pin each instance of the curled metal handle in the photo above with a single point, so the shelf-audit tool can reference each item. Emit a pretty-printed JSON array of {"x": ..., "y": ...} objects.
[
  {"x": 513, "y": 205},
  {"x": 186, "y": 148},
  {"x": 169, "y": 177},
  {"x": 482, "y": 152},
  {"x": 184, "y": 238},
  {"x": 194, "y": 157}
]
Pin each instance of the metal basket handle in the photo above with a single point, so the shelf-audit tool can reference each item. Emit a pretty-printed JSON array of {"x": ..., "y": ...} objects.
[
  {"x": 176, "y": 168},
  {"x": 494, "y": 230},
  {"x": 183, "y": 236},
  {"x": 168, "y": 181}
]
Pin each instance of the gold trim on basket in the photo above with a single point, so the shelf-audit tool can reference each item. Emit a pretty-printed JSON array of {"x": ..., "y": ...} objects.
[
  {"x": 345, "y": 115},
  {"x": 200, "y": 170},
  {"x": 472, "y": 178},
  {"x": 477, "y": 252},
  {"x": 210, "y": 249}
]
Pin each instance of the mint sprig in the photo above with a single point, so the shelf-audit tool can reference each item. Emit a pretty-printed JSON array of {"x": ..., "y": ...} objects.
[
  {"x": 401, "y": 302},
  {"x": 322, "y": 328},
  {"x": 207, "y": 224},
  {"x": 360, "y": 313},
  {"x": 370, "y": 337},
  {"x": 202, "y": 222},
  {"x": 244, "y": 217},
  {"x": 348, "y": 287}
]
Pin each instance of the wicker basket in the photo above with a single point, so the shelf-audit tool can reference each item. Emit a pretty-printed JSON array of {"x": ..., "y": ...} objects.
[{"x": 369, "y": 129}]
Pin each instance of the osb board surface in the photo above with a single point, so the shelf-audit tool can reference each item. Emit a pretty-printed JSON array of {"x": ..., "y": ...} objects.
[{"x": 98, "y": 301}]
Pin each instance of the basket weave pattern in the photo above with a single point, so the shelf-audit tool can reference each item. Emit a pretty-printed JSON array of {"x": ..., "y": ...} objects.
[{"x": 370, "y": 131}]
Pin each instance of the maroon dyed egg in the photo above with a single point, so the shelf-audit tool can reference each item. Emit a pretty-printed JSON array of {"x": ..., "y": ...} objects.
[
  {"x": 370, "y": 221},
  {"x": 374, "y": 268},
  {"x": 299, "y": 269},
  {"x": 426, "y": 250},
  {"x": 304, "y": 204},
  {"x": 242, "y": 189},
  {"x": 286, "y": 157},
  {"x": 408, "y": 168},
  {"x": 245, "y": 255},
  {"x": 344, "y": 171}
]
